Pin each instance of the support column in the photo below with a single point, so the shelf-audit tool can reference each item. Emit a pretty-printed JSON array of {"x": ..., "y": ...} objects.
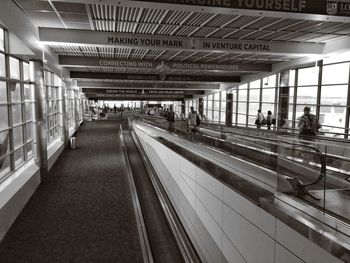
[
  {"x": 229, "y": 112},
  {"x": 283, "y": 100},
  {"x": 39, "y": 118},
  {"x": 200, "y": 107}
]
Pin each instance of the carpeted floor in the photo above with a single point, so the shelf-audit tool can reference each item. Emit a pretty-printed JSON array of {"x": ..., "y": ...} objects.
[{"x": 84, "y": 213}]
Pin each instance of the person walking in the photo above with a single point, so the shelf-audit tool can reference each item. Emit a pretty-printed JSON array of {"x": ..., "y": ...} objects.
[
  {"x": 259, "y": 119},
  {"x": 270, "y": 120},
  {"x": 192, "y": 121},
  {"x": 171, "y": 119}
]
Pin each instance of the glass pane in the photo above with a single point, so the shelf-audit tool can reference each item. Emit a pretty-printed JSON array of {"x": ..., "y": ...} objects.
[
  {"x": 307, "y": 95},
  {"x": 29, "y": 130},
  {"x": 223, "y": 105},
  {"x": 28, "y": 92},
  {"x": 335, "y": 74},
  {"x": 216, "y": 105},
  {"x": 217, "y": 96},
  {"x": 291, "y": 95},
  {"x": 2, "y": 66},
  {"x": 269, "y": 81},
  {"x": 223, "y": 117},
  {"x": 210, "y": 104},
  {"x": 332, "y": 116},
  {"x": 16, "y": 113},
  {"x": 57, "y": 81},
  {"x": 337, "y": 58},
  {"x": 29, "y": 112},
  {"x": 255, "y": 84},
  {"x": 5, "y": 169},
  {"x": 47, "y": 78},
  {"x": 223, "y": 95},
  {"x": 18, "y": 136},
  {"x": 15, "y": 92},
  {"x": 242, "y": 107},
  {"x": 3, "y": 92},
  {"x": 210, "y": 115},
  {"x": 29, "y": 149},
  {"x": 2, "y": 40},
  {"x": 291, "y": 77},
  {"x": 251, "y": 120},
  {"x": 216, "y": 116},
  {"x": 3, "y": 117},
  {"x": 242, "y": 95},
  {"x": 26, "y": 72},
  {"x": 254, "y": 95},
  {"x": 234, "y": 119},
  {"x": 268, "y": 95},
  {"x": 308, "y": 76},
  {"x": 290, "y": 112},
  {"x": 242, "y": 119},
  {"x": 14, "y": 68},
  {"x": 18, "y": 157},
  {"x": 253, "y": 108},
  {"x": 334, "y": 95}
]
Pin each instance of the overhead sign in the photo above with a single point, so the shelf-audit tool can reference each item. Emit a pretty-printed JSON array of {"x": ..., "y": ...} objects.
[
  {"x": 321, "y": 7},
  {"x": 84, "y": 37},
  {"x": 154, "y": 77},
  {"x": 125, "y": 94},
  {"x": 129, "y": 85},
  {"x": 144, "y": 91},
  {"x": 70, "y": 61}
]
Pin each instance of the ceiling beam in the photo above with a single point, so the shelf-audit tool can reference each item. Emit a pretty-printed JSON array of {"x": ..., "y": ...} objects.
[
  {"x": 53, "y": 36},
  {"x": 314, "y": 10},
  {"x": 70, "y": 61}
]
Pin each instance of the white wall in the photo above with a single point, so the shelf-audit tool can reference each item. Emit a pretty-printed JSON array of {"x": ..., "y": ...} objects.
[{"x": 223, "y": 225}]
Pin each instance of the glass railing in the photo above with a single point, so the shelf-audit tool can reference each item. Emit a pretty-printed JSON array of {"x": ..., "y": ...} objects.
[
  {"x": 315, "y": 173},
  {"x": 311, "y": 170}
]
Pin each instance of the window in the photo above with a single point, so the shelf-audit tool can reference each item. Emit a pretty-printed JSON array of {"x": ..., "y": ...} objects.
[
  {"x": 2, "y": 40},
  {"x": 15, "y": 101},
  {"x": 242, "y": 104},
  {"x": 335, "y": 74},
  {"x": 2, "y": 66},
  {"x": 14, "y": 68},
  {"x": 308, "y": 76}
]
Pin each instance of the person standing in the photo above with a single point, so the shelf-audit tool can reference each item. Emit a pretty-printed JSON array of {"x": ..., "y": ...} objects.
[
  {"x": 259, "y": 119},
  {"x": 308, "y": 124},
  {"x": 171, "y": 119},
  {"x": 192, "y": 120},
  {"x": 270, "y": 120}
]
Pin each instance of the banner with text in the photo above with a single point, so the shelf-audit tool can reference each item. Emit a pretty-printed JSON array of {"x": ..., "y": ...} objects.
[{"x": 320, "y": 7}]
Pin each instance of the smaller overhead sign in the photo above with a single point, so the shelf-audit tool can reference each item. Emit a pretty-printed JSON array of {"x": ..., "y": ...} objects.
[{"x": 125, "y": 94}]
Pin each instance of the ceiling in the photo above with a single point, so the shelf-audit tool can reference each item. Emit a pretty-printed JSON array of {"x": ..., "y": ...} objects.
[{"x": 174, "y": 22}]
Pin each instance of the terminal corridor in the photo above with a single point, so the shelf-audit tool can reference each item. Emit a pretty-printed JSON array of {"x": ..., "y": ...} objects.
[{"x": 84, "y": 212}]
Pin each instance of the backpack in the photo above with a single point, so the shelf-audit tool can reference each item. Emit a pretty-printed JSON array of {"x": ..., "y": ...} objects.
[
  {"x": 198, "y": 120},
  {"x": 311, "y": 125}
]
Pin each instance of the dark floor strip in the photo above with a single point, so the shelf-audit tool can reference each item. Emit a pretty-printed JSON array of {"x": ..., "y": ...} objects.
[{"x": 84, "y": 213}]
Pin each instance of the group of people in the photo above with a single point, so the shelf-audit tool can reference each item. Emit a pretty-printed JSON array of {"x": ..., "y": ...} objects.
[
  {"x": 308, "y": 123},
  {"x": 261, "y": 120},
  {"x": 193, "y": 120}
]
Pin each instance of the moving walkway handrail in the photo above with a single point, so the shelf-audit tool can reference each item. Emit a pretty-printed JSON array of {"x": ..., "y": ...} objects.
[{"x": 321, "y": 155}]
